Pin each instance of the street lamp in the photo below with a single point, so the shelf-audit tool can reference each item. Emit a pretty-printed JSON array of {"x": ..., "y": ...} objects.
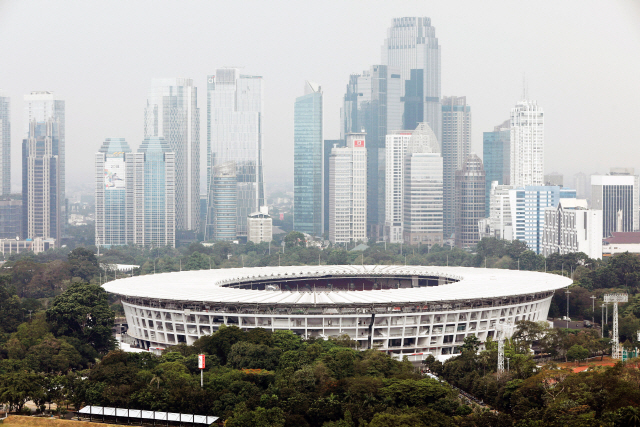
[{"x": 508, "y": 358}]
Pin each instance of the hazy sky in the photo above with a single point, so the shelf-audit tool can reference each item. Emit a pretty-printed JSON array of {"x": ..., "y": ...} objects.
[{"x": 581, "y": 60}]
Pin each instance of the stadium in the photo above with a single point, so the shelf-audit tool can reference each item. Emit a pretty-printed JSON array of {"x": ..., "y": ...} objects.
[{"x": 401, "y": 310}]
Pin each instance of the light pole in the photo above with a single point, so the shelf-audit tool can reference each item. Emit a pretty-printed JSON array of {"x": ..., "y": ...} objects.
[
  {"x": 602, "y": 323},
  {"x": 568, "y": 306},
  {"x": 593, "y": 308},
  {"x": 508, "y": 358}
]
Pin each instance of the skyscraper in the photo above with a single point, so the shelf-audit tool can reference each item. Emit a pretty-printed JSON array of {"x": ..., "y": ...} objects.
[
  {"x": 42, "y": 107},
  {"x": 348, "y": 191},
  {"x": 5, "y": 145},
  {"x": 456, "y": 146},
  {"x": 617, "y": 196},
  {"x": 111, "y": 219},
  {"x": 307, "y": 161},
  {"x": 423, "y": 189},
  {"x": 153, "y": 193},
  {"x": 328, "y": 146},
  {"x": 172, "y": 113},
  {"x": 372, "y": 104},
  {"x": 224, "y": 193},
  {"x": 527, "y": 144},
  {"x": 469, "y": 186},
  {"x": 411, "y": 45},
  {"x": 496, "y": 147},
  {"x": 399, "y": 145},
  {"x": 43, "y": 167},
  {"x": 234, "y": 133}
]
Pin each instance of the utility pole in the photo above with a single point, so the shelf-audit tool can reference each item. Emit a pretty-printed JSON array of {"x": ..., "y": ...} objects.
[
  {"x": 602, "y": 323},
  {"x": 593, "y": 308},
  {"x": 567, "y": 306}
]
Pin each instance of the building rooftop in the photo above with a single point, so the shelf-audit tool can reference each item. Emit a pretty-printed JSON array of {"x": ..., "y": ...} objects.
[
  {"x": 631, "y": 237},
  {"x": 214, "y": 286}
]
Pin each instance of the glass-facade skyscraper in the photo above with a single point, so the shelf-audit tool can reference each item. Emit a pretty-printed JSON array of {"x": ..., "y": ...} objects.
[
  {"x": 154, "y": 193},
  {"x": 307, "y": 161},
  {"x": 497, "y": 159},
  {"x": 234, "y": 134},
  {"x": 5, "y": 145},
  {"x": 373, "y": 104},
  {"x": 172, "y": 113},
  {"x": 456, "y": 146},
  {"x": 111, "y": 193},
  {"x": 43, "y": 166},
  {"x": 617, "y": 196},
  {"x": 469, "y": 191},
  {"x": 411, "y": 45},
  {"x": 224, "y": 201}
]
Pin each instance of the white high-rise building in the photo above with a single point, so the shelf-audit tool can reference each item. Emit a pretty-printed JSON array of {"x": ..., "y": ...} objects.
[
  {"x": 499, "y": 224},
  {"x": 234, "y": 134},
  {"x": 572, "y": 227},
  {"x": 527, "y": 144},
  {"x": 411, "y": 45},
  {"x": 5, "y": 145},
  {"x": 172, "y": 113},
  {"x": 396, "y": 150},
  {"x": 399, "y": 146},
  {"x": 348, "y": 191}
]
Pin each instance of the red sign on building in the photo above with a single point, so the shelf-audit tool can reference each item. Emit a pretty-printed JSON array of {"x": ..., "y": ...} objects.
[{"x": 358, "y": 142}]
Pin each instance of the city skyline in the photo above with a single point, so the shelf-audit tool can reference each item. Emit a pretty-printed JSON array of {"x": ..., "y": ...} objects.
[{"x": 492, "y": 89}]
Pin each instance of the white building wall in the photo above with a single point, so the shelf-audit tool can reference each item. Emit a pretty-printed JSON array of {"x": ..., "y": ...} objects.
[
  {"x": 527, "y": 144},
  {"x": 396, "y": 149}
]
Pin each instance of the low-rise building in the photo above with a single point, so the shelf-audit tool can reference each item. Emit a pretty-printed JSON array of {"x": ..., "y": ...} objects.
[
  {"x": 35, "y": 245},
  {"x": 620, "y": 242},
  {"x": 572, "y": 227}
]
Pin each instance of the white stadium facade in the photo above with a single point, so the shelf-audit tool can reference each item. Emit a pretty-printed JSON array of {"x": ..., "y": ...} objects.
[{"x": 402, "y": 310}]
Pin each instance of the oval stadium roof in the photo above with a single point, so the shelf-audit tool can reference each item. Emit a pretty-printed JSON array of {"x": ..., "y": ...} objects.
[{"x": 207, "y": 285}]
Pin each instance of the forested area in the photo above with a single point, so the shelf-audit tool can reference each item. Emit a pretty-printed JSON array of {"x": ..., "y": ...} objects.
[{"x": 56, "y": 347}]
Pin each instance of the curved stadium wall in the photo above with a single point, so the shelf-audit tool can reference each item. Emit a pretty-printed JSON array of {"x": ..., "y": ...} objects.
[{"x": 402, "y": 310}]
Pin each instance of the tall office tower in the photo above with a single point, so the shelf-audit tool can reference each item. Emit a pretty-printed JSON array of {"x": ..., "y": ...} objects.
[
  {"x": 348, "y": 191},
  {"x": 172, "y": 113},
  {"x": 582, "y": 185},
  {"x": 497, "y": 159},
  {"x": 234, "y": 134},
  {"x": 307, "y": 161},
  {"x": 456, "y": 146},
  {"x": 527, "y": 144},
  {"x": 617, "y": 195},
  {"x": 42, "y": 107},
  {"x": 396, "y": 150},
  {"x": 223, "y": 201},
  {"x": 153, "y": 193},
  {"x": 5, "y": 145},
  {"x": 112, "y": 227},
  {"x": 328, "y": 146},
  {"x": 423, "y": 187},
  {"x": 399, "y": 144},
  {"x": 372, "y": 104},
  {"x": 528, "y": 206},
  {"x": 470, "y": 201},
  {"x": 411, "y": 45}
]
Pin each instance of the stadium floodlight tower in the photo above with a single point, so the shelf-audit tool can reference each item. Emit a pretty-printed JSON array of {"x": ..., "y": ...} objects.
[
  {"x": 616, "y": 350},
  {"x": 504, "y": 330}
]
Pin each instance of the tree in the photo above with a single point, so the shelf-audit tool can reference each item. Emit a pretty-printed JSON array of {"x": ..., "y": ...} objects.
[
  {"x": 10, "y": 307},
  {"x": 577, "y": 353},
  {"x": 338, "y": 257},
  {"x": 83, "y": 263},
  {"x": 294, "y": 238},
  {"x": 83, "y": 312}
]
